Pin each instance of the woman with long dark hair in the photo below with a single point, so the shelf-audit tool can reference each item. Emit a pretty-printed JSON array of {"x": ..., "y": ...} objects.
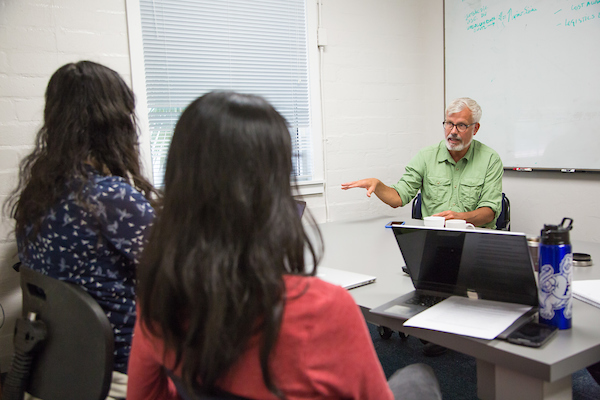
[
  {"x": 82, "y": 207},
  {"x": 225, "y": 300}
]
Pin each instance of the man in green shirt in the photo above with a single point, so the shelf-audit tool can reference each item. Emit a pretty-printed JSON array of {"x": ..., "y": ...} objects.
[{"x": 459, "y": 178}]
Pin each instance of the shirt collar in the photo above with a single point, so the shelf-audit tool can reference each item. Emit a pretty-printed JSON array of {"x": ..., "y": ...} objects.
[
  {"x": 469, "y": 154},
  {"x": 443, "y": 153}
]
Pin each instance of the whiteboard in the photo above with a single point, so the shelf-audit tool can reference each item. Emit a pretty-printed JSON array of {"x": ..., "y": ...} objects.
[{"x": 534, "y": 68}]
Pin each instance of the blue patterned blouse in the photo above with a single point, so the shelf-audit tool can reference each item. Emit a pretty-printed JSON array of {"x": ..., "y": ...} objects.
[{"x": 97, "y": 250}]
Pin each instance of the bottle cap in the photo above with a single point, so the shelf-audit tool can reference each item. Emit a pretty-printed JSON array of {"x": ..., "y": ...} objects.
[{"x": 557, "y": 234}]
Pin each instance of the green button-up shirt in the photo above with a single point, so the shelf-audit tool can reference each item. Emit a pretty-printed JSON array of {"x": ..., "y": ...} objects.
[{"x": 473, "y": 182}]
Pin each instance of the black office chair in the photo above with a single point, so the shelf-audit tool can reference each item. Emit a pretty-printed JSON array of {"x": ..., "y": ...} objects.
[
  {"x": 63, "y": 343},
  {"x": 502, "y": 223},
  {"x": 416, "y": 207}
]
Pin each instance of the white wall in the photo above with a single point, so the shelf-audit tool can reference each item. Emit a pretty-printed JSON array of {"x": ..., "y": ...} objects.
[
  {"x": 539, "y": 198},
  {"x": 383, "y": 100},
  {"x": 383, "y": 96}
]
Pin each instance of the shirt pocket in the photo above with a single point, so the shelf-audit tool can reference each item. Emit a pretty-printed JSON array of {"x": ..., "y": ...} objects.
[
  {"x": 470, "y": 192},
  {"x": 436, "y": 191}
]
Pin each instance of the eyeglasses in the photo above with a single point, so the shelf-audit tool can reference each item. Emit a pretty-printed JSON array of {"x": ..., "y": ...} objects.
[{"x": 459, "y": 127}]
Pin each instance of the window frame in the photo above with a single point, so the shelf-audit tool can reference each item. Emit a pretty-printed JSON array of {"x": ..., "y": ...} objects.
[{"x": 138, "y": 83}]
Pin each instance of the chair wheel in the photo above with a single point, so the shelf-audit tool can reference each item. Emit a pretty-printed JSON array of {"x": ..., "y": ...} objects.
[
  {"x": 403, "y": 336},
  {"x": 384, "y": 332}
]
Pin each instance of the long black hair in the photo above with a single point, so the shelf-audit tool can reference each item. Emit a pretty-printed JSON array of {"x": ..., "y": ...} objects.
[
  {"x": 229, "y": 230},
  {"x": 89, "y": 119}
]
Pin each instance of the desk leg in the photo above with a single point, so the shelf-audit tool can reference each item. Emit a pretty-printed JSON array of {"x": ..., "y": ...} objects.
[{"x": 498, "y": 383}]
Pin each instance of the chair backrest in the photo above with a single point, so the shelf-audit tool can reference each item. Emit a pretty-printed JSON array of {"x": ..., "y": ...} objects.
[
  {"x": 416, "y": 207},
  {"x": 502, "y": 223},
  {"x": 75, "y": 360}
]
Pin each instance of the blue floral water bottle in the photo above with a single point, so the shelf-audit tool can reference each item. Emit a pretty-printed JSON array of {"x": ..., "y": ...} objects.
[{"x": 556, "y": 275}]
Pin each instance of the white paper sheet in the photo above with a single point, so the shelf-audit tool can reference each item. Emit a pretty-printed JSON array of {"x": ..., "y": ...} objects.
[
  {"x": 587, "y": 291},
  {"x": 482, "y": 319}
]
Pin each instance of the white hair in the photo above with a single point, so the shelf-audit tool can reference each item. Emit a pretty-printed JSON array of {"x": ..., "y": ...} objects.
[{"x": 459, "y": 104}]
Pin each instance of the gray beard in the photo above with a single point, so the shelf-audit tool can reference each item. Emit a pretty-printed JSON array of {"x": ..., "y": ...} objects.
[{"x": 459, "y": 147}]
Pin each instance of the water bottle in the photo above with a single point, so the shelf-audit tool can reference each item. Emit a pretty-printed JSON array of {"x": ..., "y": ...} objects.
[{"x": 555, "y": 275}]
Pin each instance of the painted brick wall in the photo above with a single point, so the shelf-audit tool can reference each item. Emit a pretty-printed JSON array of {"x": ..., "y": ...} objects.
[
  {"x": 37, "y": 37},
  {"x": 383, "y": 91}
]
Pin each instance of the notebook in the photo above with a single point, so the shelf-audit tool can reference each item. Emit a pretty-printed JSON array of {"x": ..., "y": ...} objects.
[
  {"x": 483, "y": 264},
  {"x": 587, "y": 291},
  {"x": 346, "y": 279}
]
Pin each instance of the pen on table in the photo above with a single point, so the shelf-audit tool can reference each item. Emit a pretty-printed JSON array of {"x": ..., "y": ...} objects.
[
  {"x": 522, "y": 169},
  {"x": 567, "y": 170}
]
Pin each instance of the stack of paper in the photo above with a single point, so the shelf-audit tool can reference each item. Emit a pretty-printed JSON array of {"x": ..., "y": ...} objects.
[
  {"x": 587, "y": 291},
  {"x": 484, "y": 319}
]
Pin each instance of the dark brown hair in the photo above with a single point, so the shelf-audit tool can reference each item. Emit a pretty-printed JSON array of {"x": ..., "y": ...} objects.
[
  {"x": 228, "y": 231},
  {"x": 89, "y": 118}
]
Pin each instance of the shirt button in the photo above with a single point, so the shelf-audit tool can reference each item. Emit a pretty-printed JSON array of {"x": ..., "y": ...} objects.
[{"x": 457, "y": 169}]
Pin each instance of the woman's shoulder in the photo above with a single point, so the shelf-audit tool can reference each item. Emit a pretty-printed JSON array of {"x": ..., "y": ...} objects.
[
  {"x": 113, "y": 198},
  {"x": 110, "y": 183},
  {"x": 109, "y": 188}
]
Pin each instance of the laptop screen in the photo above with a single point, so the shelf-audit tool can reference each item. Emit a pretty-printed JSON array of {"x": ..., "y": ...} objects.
[
  {"x": 301, "y": 206},
  {"x": 495, "y": 265}
]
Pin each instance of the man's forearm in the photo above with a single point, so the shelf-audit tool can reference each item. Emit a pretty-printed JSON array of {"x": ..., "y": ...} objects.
[
  {"x": 388, "y": 195},
  {"x": 478, "y": 217}
]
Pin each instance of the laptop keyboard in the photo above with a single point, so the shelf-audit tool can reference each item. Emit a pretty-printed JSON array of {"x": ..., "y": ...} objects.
[{"x": 425, "y": 300}]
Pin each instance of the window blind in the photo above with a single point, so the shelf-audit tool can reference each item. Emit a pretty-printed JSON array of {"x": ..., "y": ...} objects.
[{"x": 192, "y": 47}]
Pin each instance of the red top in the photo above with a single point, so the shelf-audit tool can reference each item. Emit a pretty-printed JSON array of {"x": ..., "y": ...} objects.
[{"x": 324, "y": 351}]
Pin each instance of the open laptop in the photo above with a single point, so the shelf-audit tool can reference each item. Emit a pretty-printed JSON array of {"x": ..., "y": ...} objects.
[
  {"x": 483, "y": 264},
  {"x": 301, "y": 207},
  {"x": 346, "y": 279}
]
